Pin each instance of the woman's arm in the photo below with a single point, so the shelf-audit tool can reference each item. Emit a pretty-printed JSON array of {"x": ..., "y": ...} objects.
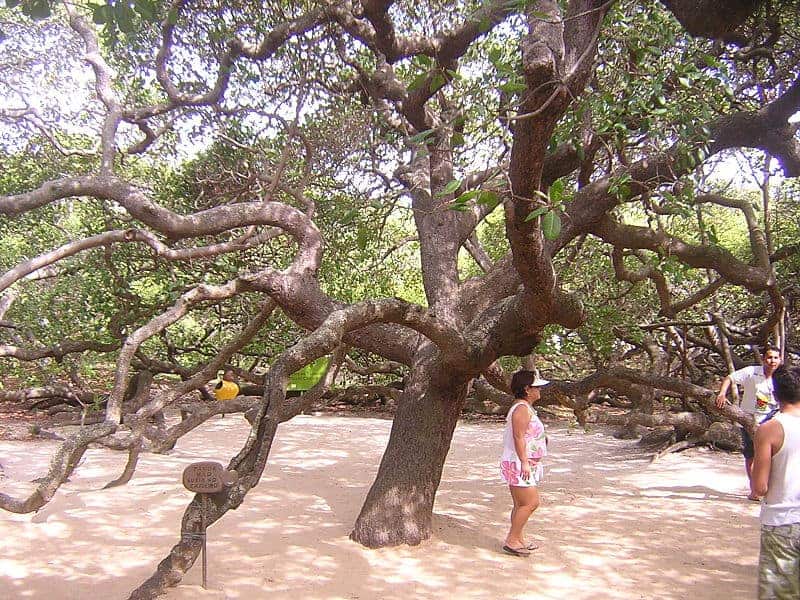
[{"x": 519, "y": 425}]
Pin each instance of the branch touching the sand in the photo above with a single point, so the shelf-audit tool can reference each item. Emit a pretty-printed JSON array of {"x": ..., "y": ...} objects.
[
  {"x": 66, "y": 458},
  {"x": 249, "y": 463},
  {"x": 130, "y": 467},
  {"x": 61, "y": 466}
]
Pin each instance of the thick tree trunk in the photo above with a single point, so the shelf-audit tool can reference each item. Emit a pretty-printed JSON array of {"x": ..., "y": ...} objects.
[{"x": 399, "y": 506}]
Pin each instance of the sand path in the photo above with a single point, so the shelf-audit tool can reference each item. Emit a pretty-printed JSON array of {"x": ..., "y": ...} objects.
[{"x": 611, "y": 526}]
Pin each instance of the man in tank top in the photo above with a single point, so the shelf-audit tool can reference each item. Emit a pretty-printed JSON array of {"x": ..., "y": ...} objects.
[{"x": 776, "y": 477}]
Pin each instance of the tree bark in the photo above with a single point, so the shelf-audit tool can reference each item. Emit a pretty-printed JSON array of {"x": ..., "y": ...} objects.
[
  {"x": 399, "y": 506},
  {"x": 712, "y": 18}
]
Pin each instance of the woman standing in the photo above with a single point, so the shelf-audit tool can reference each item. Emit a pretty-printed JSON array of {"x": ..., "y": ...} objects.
[{"x": 524, "y": 447}]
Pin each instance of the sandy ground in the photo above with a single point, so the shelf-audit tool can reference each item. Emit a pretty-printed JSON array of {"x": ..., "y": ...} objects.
[{"x": 611, "y": 526}]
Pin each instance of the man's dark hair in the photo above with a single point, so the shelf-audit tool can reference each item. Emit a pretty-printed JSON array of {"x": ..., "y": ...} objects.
[
  {"x": 769, "y": 348},
  {"x": 520, "y": 381},
  {"x": 786, "y": 383}
]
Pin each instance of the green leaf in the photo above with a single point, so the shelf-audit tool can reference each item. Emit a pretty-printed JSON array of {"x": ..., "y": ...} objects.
[
  {"x": 557, "y": 191},
  {"x": 457, "y": 139},
  {"x": 349, "y": 216},
  {"x": 125, "y": 17},
  {"x": 437, "y": 82},
  {"x": 512, "y": 87},
  {"x": 308, "y": 376},
  {"x": 417, "y": 82},
  {"x": 101, "y": 14},
  {"x": 488, "y": 198},
  {"x": 423, "y": 60},
  {"x": 536, "y": 213},
  {"x": 542, "y": 195},
  {"x": 422, "y": 135},
  {"x": 362, "y": 239},
  {"x": 712, "y": 234},
  {"x": 451, "y": 187},
  {"x": 480, "y": 196},
  {"x": 146, "y": 9},
  {"x": 466, "y": 197},
  {"x": 619, "y": 186},
  {"x": 551, "y": 225}
]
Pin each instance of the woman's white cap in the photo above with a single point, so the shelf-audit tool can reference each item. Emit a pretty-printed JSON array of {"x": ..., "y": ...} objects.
[{"x": 538, "y": 382}]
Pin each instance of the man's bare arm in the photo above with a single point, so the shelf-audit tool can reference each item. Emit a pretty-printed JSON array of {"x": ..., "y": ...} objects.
[
  {"x": 723, "y": 391},
  {"x": 767, "y": 441}
]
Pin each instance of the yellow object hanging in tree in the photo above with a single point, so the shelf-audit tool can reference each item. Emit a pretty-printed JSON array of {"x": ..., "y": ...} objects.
[{"x": 227, "y": 388}]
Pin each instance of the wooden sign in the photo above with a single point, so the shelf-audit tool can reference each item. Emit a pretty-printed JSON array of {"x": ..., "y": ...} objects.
[{"x": 207, "y": 477}]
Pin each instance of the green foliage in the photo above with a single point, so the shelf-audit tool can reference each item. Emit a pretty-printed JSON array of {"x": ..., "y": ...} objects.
[
  {"x": 115, "y": 15},
  {"x": 27, "y": 167},
  {"x": 35, "y": 9},
  {"x": 484, "y": 197},
  {"x": 308, "y": 376},
  {"x": 685, "y": 88},
  {"x": 620, "y": 187},
  {"x": 123, "y": 15}
]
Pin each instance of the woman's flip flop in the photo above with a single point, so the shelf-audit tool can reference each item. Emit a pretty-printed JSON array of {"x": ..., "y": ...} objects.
[{"x": 516, "y": 551}]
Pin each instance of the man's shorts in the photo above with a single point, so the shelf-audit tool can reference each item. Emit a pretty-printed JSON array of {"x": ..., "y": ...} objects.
[
  {"x": 747, "y": 441},
  {"x": 747, "y": 444},
  {"x": 779, "y": 562}
]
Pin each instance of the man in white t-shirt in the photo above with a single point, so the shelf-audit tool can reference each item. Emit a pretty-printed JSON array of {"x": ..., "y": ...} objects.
[
  {"x": 776, "y": 476},
  {"x": 758, "y": 398}
]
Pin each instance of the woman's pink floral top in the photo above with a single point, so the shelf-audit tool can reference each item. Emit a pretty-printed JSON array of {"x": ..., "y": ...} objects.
[{"x": 535, "y": 445}]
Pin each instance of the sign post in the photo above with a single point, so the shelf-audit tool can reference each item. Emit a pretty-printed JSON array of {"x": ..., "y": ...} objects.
[{"x": 206, "y": 478}]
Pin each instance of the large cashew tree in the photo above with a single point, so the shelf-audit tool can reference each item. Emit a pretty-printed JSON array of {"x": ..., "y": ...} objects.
[{"x": 557, "y": 125}]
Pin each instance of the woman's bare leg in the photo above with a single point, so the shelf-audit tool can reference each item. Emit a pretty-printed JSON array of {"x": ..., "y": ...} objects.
[{"x": 526, "y": 500}]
